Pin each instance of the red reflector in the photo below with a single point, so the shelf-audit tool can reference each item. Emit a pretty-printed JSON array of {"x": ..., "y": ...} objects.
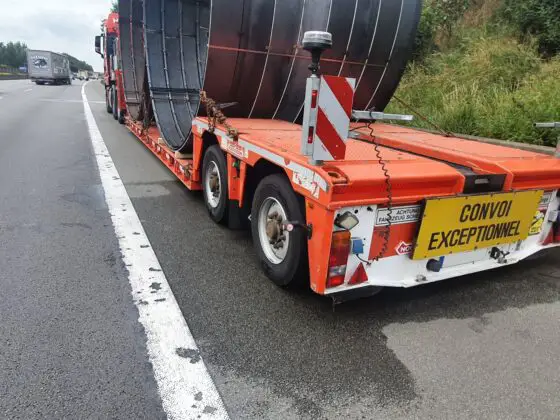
[
  {"x": 338, "y": 257},
  {"x": 314, "y": 95},
  {"x": 310, "y": 135},
  {"x": 335, "y": 281},
  {"x": 359, "y": 276}
]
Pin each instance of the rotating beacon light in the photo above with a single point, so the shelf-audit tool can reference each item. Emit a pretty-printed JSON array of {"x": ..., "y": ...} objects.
[{"x": 316, "y": 42}]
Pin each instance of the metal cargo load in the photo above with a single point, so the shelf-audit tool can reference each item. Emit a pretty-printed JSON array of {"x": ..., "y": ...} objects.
[
  {"x": 247, "y": 52},
  {"x": 133, "y": 60},
  {"x": 48, "y": 67}
]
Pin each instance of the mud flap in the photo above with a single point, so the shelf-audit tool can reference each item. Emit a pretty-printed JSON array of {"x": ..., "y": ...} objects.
[{"x": 238, "y": 217}]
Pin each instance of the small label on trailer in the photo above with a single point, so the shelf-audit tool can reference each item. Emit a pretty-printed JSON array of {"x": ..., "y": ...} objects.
[
  {"x": 234, "y": 148},
  {"x": 399, "y": 215},
  {"x": 460, "y": 224}
]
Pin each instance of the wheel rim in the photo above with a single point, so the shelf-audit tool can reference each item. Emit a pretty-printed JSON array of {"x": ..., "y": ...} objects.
[
  {"x": 274, "y": 239},
  {"x": 213, "y": 185}
]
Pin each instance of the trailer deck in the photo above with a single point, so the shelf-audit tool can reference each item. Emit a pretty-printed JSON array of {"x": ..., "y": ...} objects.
[{"x": 423, "y": 168}]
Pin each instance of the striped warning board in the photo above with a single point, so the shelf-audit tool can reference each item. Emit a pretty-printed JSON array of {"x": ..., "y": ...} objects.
[{"x": 336, "y": 97}]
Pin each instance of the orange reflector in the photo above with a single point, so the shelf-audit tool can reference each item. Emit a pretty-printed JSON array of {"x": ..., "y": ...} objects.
[{"x": 359, "y": 276}]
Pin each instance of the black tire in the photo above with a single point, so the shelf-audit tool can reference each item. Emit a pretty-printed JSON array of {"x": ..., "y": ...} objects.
[
  {"x": 121, "y": 114},
  {"x": 108, "y": 99},
  {"x": 214, "y": 155},
  {"x": 294, "y": 269},
  {"x": 115, "y": 103}
]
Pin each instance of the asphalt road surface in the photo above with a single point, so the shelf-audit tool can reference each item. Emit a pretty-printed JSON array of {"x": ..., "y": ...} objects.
[{"x": 71, "y": 346}]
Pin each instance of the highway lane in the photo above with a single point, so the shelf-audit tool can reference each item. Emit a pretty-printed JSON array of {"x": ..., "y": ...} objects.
[
  {"x": 10, "y": 86},
  {"x": 70, "y": 343},
  {"x": 483, "y": 346}
]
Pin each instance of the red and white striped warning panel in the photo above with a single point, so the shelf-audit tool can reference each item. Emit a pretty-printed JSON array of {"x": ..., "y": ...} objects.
[{"x": 336, "y": 97}]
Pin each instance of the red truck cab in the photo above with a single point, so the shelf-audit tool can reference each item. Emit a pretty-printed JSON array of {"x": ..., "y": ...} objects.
[{"x": 107, "y": 45}]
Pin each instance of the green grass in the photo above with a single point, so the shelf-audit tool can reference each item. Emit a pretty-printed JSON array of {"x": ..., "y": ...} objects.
[{"x": 485, "y": 84}]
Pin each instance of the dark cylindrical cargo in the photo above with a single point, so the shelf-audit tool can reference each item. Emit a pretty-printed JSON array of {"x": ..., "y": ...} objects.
[
  {"x": 247, "y": 52},
  {"x": 133, "y": 60}
]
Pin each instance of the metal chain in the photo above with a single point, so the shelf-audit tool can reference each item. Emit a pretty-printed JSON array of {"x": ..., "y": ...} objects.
[
  {"x": 389, "y": 188},
  {"x": 216, "y": 116}
]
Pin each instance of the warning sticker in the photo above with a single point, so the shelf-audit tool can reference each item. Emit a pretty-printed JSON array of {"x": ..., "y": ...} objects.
[
  {"x": 399, "y": 215},
  {"x": 537, "y": 223},
  {"x": 404, "y": 248}
]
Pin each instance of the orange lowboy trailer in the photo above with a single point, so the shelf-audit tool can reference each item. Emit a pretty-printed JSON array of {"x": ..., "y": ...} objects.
[
  {"x": 351, "y": 208},
  {"x": 422, "y": 167}
]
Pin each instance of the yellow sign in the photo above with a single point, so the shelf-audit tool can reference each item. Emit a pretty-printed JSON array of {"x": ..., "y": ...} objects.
[{"x": 459, "y": 224}]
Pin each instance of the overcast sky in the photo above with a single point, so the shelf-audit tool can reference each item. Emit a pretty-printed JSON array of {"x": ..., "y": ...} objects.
[{"x": 55, "y": 25}]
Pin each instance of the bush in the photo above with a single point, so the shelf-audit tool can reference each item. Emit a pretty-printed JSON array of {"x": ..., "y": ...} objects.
[
  {"x": 539, "y": 18},
  {"x": 492, "y": 86},
  {"x": 438, "y": 17}
]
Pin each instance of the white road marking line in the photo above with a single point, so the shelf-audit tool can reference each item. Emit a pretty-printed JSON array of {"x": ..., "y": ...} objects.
[
  {"x": 185, "y": 386},
  {"x": 70, "y": 101},
  {"x": 28, "y": 90}
]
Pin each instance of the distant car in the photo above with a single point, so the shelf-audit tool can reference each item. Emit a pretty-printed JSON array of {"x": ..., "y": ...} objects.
[{"x": 87, "y": 79}]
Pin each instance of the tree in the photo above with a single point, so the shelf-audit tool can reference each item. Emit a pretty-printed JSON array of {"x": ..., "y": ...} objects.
[
  {"x": 77, "y": 65},
  {"x": 115, "y": 7},
  {"x": 13, "y": 54},
  {"x": 539, "y": 18}
]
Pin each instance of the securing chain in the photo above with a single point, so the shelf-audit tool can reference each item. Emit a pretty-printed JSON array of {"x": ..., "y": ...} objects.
[
  {"x": 446, "y": 133},
  {"x": 389, "y": 188},
  {"x": 216, "y": 116}
]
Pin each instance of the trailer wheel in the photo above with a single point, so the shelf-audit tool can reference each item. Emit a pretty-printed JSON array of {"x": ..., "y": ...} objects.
[
  {"x": 282, "y": 254},
  {"x": 121, "y": 116},
  {"x": 215, "y": 183},
  {"x": 108, "y": 99},
  {"x": 115, "y": 103}
]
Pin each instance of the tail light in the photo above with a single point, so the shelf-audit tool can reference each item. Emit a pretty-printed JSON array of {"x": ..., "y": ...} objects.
[{"x": 338, "y": 258}]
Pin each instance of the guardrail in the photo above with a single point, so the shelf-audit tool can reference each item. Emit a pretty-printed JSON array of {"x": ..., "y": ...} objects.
[{"x": 11, "y": 73}]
